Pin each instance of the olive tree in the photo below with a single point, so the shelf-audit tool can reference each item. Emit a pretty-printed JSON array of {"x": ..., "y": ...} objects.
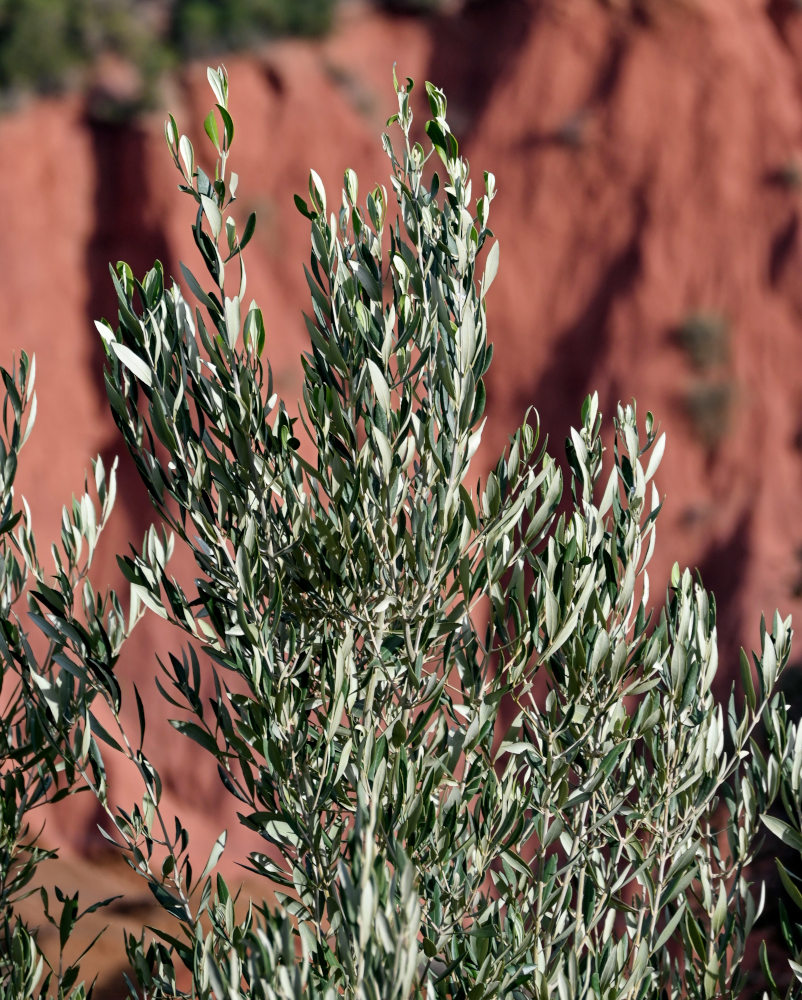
[{"x": 480, "y": 761}]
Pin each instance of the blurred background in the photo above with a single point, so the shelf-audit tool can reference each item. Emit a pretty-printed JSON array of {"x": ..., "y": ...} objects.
[{"x": 648, "y": 157}]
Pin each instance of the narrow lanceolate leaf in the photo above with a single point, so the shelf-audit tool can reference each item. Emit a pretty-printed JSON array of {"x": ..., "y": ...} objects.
[
  {"x": 218, "y": 83},
  {"x": 233, "y": 320},
  {"x": 380, "y": 386},
  {"x": 790, "y": 883},
  {"x": 250, "y": 229},
  {"x": 139, "y": 368},
  {"x": 369, "y": 283},
  {"x": 747, "y": 681},
  {"x": 215, "y": 855},
  {"x": 491, "y": 268},
  {"x": 787, "y": 834},
  {"x": 656, "y": 457},
  {"x": 669, "y": 928},
  {"x": 213, "y": 214},
  {"x": 210, "y": 127},
  {"x": 194, "y": 284}
]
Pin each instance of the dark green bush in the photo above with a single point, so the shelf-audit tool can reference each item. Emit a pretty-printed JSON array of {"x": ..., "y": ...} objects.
[
  {"x": 44, "y": 44},
  {"x": 203, "y": 26},
  {"x": 705, "y": 338},
  {"x": 39, "y": 44}
]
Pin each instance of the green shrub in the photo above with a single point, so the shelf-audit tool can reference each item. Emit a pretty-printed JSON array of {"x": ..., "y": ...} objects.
[
  {"x": 710, "y": 406},
  {"x": 46, "y": 44},
  {"x": 705, "y": 338},
  {"x": 35, "y": 44},
  {"x": 480, "y": 764},
  {"x": 411, "y": 6},
  {"x": 200, "y": 26},
  {"x": 710, "y": 400}
]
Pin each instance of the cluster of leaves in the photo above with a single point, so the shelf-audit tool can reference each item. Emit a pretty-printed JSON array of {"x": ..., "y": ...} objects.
[
  {"x": 201, "y": 26},
  {"x": 70, "y": 633},
  {"x": 412, "y": 6},
  {"x": 710, "y": 397},
  {"x": 479, "y": 764}
]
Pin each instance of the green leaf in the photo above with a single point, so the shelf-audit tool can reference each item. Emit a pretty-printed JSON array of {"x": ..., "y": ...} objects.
[
  {"x": 69, "y": 915},
  {"x": 789, "y": 882},
  {"x": 437, "y": 100},
  {"x": 187, "y": 155},
  {"x": 351, "y": 186},
  {"x": 380, "y": 386},
  {"x": 368, "y": 282},
  {"x": 491, "y": 268},
  {"x": 138, "y": 368},
  {"x": 670, "y": 927},
  {"x": 766, "y": 966},
  {"x": 228, "y": 125},
  {"x": 787, "y": 834},
  {"x": 210, "y": 127},
  {"x": 218, "y": 81},
  {"x": 385, "y": 452},
  {"x": 233, "y": 320},
  {"x": 317, "y": 192},
  {"x": 196, "y": 289},
  {"x": 250, "y": 228},
  {"x": 168, "y": 901},
  {"x": 212, "y": 212},
  {"x": 214, "y": 855},
  {"x": 303, "y": 208},
  {"x": 747, "y": 681},
  {"x": 195, "y": 733},
  {"x": 254, "y": 329}
]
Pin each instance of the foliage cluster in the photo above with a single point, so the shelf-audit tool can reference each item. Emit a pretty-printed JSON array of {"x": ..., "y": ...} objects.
[
  {"x": 44, "y": 45},
  {"x": 481, "y": 765},
  {"x": 200, "y": 26},
  {"x": 710, "y": 399}
]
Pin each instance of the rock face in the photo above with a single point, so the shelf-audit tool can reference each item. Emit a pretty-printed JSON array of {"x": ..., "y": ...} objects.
[
  {"x": 649, "y": 165},
  {"x": 649, "y": 217}
]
